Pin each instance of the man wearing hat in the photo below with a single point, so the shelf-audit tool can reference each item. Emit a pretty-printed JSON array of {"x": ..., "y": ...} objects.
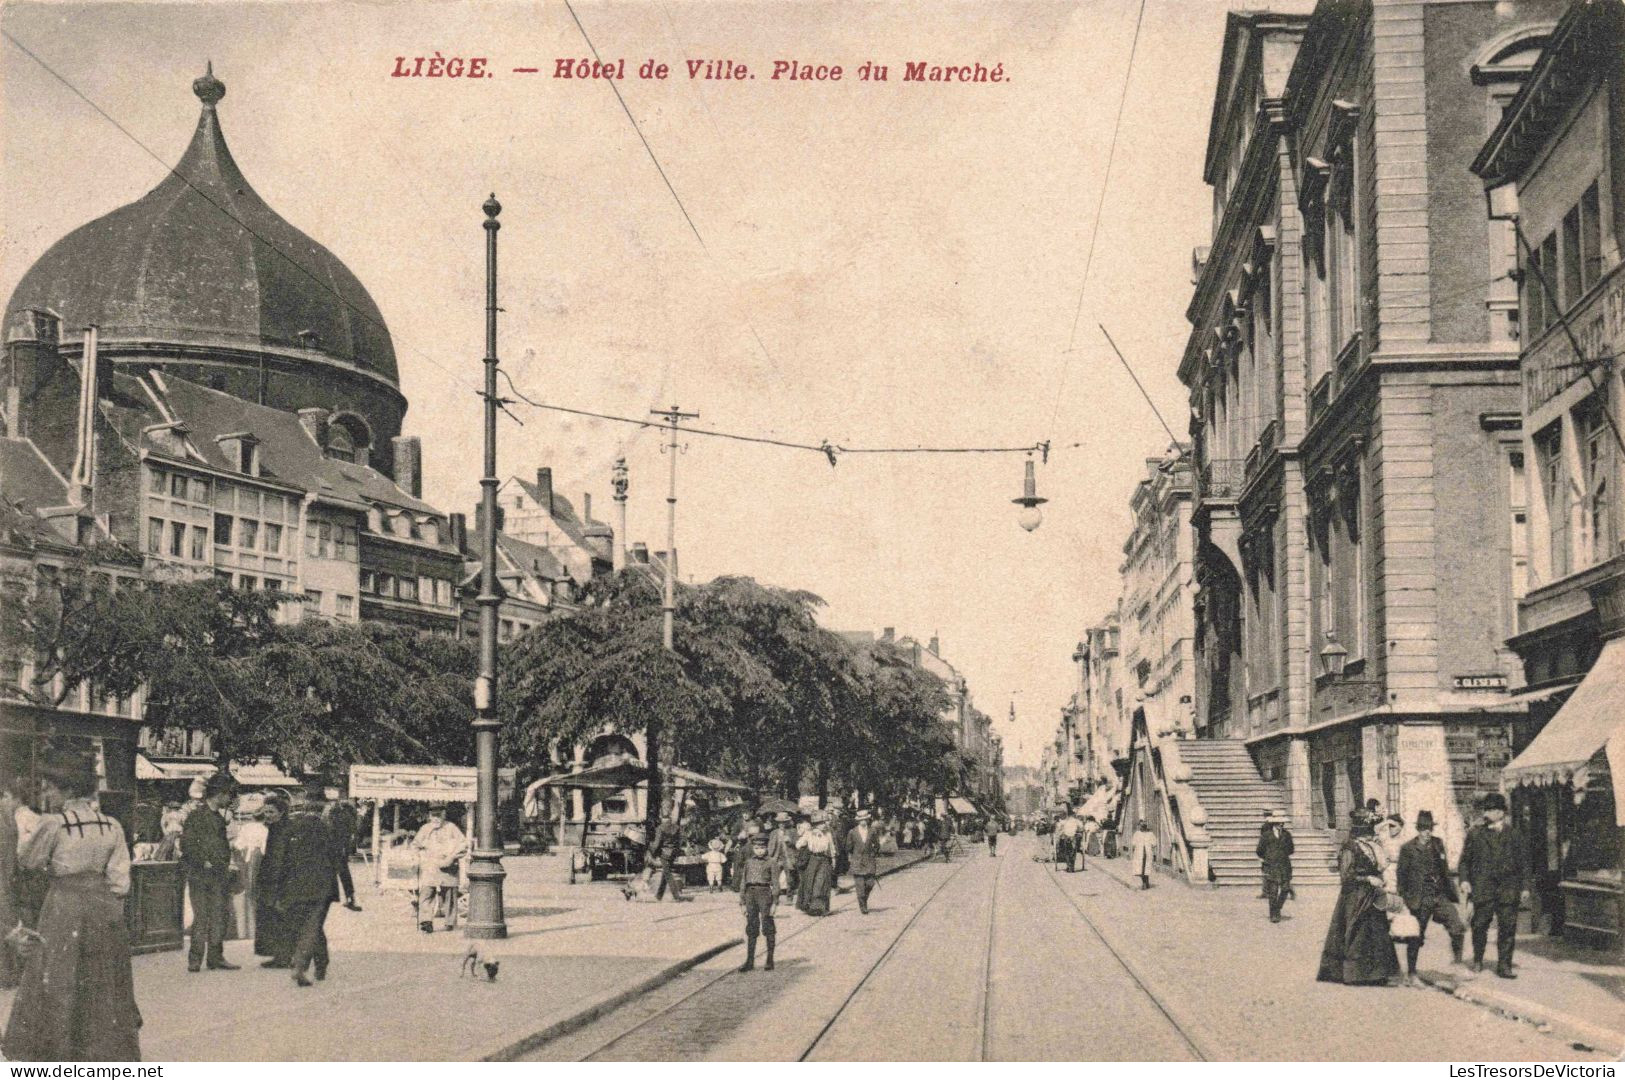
[
  {"x": 758, "y": 895},
  {"x": 440, "y": 846},
  {"x": 1427, "y": 889},
  {"x": 206, "y": 859},
  {"x": 1494, "y": 876},
  {"x": 1275, "y": 853},
  {"x": 308, "y": 885},
  {"x": 781, "y": 847},
  {"x": 864, "y": 844}
]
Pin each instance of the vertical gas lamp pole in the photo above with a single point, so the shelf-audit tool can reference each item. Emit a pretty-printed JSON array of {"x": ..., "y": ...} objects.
[{"x": 485, "y": 873}]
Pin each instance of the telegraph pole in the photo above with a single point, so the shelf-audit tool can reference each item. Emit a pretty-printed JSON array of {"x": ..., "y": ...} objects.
[
  {"x": 485, "y": 874},
  {"x": 658, "y": 751}
]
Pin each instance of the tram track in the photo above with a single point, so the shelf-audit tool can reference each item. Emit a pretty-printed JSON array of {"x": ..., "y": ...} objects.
[
  {"x": 1195, "y": 1043},
  {"x": 711, "y": 980},
  {"x": 985, "y": 989}
]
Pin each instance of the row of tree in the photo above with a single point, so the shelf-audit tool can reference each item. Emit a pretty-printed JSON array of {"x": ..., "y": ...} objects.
[{"x": 755, "y": 688}]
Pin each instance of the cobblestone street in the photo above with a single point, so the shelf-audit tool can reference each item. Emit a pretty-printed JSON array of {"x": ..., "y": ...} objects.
[{"x": 1000, "y": 959}]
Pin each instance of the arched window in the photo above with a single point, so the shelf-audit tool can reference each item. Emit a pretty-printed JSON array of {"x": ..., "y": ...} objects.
[{"x": 349, "y": 438}]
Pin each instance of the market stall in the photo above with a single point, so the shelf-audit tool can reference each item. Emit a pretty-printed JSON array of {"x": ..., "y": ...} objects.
[
  {"x": 617, "y": 847},
  {"x": 391, "y": 785}
]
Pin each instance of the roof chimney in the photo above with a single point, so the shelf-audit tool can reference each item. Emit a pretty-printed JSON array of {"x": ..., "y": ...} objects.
[
  {"x": 889, "y": 634},
  {"x": 459, "y": 532},
  {"x": 544, "y": 486},
  {"x": 407, "y": 451},
  {"x": 314, "y": 421},
  {"x": 935, "y": 647},
  {"x": 586, "y": 506}
]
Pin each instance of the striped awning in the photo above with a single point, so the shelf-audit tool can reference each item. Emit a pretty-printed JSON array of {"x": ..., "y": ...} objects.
[
  {"x": 1590, "y": 722},
  {"x": 961, "y": 805}
]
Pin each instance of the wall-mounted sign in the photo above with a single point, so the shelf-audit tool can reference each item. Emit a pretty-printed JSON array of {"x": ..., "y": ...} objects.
[
  {"x": 1481, "y": 682},
  {"x": 423, "y": 783}
]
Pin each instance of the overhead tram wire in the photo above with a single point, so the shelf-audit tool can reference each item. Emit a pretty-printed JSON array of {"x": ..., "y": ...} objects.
[
  {"x": 826, "y": 448},
  {"x": 678, "y": 199},
  {"x": 1100, "y": 207}
]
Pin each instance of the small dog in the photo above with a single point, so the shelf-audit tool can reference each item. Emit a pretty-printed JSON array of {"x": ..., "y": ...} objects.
[{"x": 474, "y": 961}]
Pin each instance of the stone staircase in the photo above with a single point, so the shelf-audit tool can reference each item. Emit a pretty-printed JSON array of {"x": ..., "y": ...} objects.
[{"x": 1234, "y": 797}]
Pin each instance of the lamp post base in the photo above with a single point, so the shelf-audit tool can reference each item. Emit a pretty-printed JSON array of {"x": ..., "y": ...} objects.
[{"x": 485, "y": 910}]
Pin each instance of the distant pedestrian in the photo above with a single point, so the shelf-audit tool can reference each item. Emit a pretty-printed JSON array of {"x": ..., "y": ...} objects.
[
  {"x": 341, "y": 820},
  {"x": 1088, "y": 832},
  {"x": 795, "y": 861},
  {"x": 440, "y": 846},
  {"x": 1066, "y": 841},
  {"x": 1358, "y": 949},
  {"x": 990, "y": 829},
  {"x": 819, "y": 880},
  {"x": 308, "y": 886},
  {"x": 781, "y": 847},
  {"x": 271, "y": 935},
  {"x": 1142, "y": 853},
  {"x": 77, "y": 997},
  {"x": 206, "y": 859},
  {"x": 864, "y": 844},
  {"x": 1275, "y": 853},
  {"x": 1428, "y": 891},
  {"x": 1495, "y": 877},
  {"x": 741, "y": 850},
  {"x": 759, "y": 895},
  {"x": 714, "y": 860}
]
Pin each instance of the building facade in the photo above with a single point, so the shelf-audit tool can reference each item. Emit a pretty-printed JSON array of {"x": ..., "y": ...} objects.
[
  {"x": 1555, "y": 167},
  {"x": 1355, "y": 408}
]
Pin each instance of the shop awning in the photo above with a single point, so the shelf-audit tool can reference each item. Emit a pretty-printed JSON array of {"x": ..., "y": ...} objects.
[
  {"x": 253, "y": 774},
  {"x": 961, "y": 805},
  {"x": 1591, "y": 720},
  {"x": 1530, "y": 697}
]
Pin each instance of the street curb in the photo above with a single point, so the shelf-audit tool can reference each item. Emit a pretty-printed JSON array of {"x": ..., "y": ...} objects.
[
  {"x": 1561, "y": 1024},
  {"x": 579, "y": 1016}
]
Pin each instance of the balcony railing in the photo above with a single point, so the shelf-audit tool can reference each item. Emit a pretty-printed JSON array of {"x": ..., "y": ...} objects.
[
  {"x": 1261, "y": 451},
  {"x": 1221, "y": 479},
  {"x": 1348, "y": 361}
]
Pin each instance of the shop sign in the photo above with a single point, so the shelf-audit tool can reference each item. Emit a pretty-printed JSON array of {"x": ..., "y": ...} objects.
[{"x": 1481, "y": 682}]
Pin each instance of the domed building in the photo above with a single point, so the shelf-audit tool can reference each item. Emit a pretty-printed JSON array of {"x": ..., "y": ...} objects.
[{"x": 201, "y": 279}]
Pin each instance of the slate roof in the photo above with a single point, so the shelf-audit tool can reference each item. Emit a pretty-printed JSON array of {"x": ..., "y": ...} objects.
[
  {"x": 176, "y": 266},
  {"x": 288, "y": 454}
]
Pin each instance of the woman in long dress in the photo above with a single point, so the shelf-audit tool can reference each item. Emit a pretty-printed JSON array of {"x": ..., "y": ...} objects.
[
  {"x": 818, "y": 879},
  {"x": 77, "y": 999},
  {"x": 1358, "y": 949}
]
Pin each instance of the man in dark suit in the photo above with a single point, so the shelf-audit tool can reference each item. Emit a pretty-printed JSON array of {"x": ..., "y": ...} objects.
[
  {"x": 307, "y": 886},
  {"x": 1495, "y": 876},
  {"x": 1427, "y": 889},
  {"x": 863, "y": 842},
  {"x": 206, "y": 859},
  {"x": 341, "y": 822},
  {"x": 1275, "y": 852}
]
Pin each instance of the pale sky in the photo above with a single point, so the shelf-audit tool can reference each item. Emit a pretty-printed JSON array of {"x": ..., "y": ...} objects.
[{"x": 910, "y": 256}]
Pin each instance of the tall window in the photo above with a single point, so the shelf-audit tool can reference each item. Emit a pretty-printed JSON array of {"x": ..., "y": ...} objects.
[
  {"x": 1517, "y": 499},
  {"x": 1596, "y": 467},
  {"x": 1555, "y": 496}
]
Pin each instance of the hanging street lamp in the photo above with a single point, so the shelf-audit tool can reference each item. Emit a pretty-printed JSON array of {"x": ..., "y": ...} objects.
[{"x": 1030, "y": 517}]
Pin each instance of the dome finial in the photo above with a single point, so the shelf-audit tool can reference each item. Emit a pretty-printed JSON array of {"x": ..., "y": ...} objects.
[
  {"x": 208, "y": 88},
  {"x": 492, "y": 208}
]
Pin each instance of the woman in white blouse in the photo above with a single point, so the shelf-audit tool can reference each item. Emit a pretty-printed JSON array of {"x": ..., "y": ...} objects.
[{"x": 77, "y": 999}]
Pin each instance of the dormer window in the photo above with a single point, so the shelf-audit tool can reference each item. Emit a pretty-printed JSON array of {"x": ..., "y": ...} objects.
[
  {"x": 339, "y": 444},
  {"x": 242, "y": 452}
]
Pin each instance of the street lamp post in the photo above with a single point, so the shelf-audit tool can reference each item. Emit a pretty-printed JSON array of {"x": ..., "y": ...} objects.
[
  {"x": 653, "y": 733},
  {"x": 485, "y": 873}
]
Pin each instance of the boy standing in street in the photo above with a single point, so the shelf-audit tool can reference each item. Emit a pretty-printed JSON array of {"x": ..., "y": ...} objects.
[
  {"x": 1426, "y": 887},
  {"x": 759, "y": 895}
]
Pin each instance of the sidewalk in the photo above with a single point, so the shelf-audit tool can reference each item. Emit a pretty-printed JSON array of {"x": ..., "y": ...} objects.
[
  {"x": 1577, "y": 995},
  {"x": 394, "y": 993}
]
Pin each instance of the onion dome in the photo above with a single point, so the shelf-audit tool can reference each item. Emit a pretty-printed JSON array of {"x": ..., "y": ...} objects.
[{"x": 201, "y": 262}]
